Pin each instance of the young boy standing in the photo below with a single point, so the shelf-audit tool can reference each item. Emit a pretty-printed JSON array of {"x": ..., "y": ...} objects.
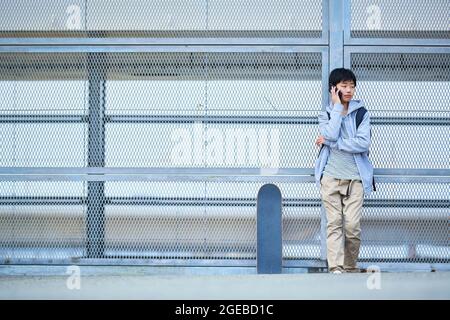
[{"x": 343, "y": 171}]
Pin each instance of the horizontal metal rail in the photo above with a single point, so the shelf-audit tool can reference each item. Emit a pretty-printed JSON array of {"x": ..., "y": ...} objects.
[
  {"x": 49, "y": 118},
  {"x": 205, "y": 172},
  {"x": 211, "y": 202},
  {"x": 315, "y": 39},
  {"x": 95, "y": 47}
]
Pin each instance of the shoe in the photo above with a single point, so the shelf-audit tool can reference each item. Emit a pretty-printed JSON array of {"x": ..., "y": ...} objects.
[{"x": 337, "y": 270}]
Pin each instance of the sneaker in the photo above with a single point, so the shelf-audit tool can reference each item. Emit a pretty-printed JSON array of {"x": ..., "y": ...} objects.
[{"x": 337, "y": 270}]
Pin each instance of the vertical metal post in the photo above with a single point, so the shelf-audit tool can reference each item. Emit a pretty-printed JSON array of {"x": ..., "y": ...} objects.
[
  {"x": 95, "y": 222},
  {"x": 336, "y": 33},
  {"x": 269, "y": 230},
  {"x": 336, "y": 56}
]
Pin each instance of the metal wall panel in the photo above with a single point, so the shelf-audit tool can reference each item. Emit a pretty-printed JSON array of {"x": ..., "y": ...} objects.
[
  {"x": 164, "y": 20},
  {"x": 397, "y": 22}
]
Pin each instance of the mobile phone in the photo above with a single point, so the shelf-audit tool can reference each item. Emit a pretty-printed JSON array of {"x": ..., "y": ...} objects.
[{"x": 340, "y": 93}]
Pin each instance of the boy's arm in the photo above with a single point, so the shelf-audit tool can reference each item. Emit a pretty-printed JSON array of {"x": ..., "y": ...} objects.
[
  {"x": 329, "y": 128},
  {"x": 358, "y": 144}
]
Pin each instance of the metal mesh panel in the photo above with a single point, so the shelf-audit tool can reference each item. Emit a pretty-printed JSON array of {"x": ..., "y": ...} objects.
[
  {"x": 219, "y": 145},
  {"x": 407, "y": 222},
  {"x": 42, "y": 15},
  {"x": 218, "y": 219},
  {"x": 407, "y": 94},
  {"x": 400, "y": 90},
  {"x": 119, "y": 99},
  {"x": 413, "y": 150},
  {"x": 301, "y": 221},
  {"x": 161, "y": 18},
  {"x": 209, "y": 112},
  {"x": 39, "y": 128},
  {"x": 204, "y": 220},
  {"x": 41, "y": 221},
  {"x": 267, "y": 82},
  {"x": 44, "y": 69},
  {"x": 417, "y": 19},
  {"x": 403, "y": 67},
  {"x": 283, "y": 145}
]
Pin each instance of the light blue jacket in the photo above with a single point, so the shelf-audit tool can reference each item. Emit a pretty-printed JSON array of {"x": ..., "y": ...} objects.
[{"x": 358, "y": 144}]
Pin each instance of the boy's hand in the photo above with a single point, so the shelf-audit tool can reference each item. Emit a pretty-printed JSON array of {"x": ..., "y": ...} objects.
[
  {"x": 320, "y": 140},
  {"x": 335, "y": 96}
]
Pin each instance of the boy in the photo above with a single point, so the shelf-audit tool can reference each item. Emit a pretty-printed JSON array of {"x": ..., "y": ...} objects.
[{"x": 343, "y": 171}]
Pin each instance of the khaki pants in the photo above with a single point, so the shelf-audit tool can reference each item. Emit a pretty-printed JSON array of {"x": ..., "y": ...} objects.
[{"x": 343, "y": 200}]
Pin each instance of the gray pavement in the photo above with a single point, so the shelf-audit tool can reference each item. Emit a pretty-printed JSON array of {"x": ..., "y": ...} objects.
[{"x": 140, "y": 284}]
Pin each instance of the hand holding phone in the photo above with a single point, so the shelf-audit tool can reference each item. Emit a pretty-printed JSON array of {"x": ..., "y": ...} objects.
[
  {"x": 339, "y": 93},
  {"x": 336, "y": 98}
]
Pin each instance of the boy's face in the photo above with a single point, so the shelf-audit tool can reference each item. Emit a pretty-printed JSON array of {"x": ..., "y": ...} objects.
[{"x": 347, "y": 88}]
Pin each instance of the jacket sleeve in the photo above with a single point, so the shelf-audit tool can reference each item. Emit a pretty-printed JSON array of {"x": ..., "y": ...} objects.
[
  {"x": 329, "y": 129},
  {"x": 358, "y": 144}
]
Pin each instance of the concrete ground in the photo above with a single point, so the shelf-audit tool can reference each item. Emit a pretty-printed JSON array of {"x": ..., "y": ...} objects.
[{"x": 146, "y": 283}]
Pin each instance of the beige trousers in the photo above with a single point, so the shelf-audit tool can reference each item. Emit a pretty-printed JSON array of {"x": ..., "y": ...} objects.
[{"x": 343, "y": 200}]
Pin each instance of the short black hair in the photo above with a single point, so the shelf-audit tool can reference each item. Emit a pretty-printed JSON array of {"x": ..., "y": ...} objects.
[{"x": 340, "y": 74}]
